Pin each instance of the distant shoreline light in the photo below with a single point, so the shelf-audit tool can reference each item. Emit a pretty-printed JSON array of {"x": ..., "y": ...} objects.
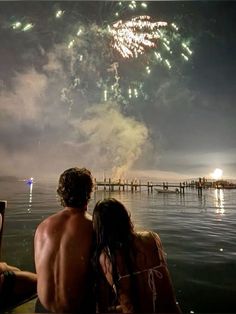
[{"x": 217, "y": 174}]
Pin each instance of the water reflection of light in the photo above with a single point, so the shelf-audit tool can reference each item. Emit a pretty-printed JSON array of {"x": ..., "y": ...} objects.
[
  {"x": 30, "y": 196},
  {"x": 219, "y": 201}
]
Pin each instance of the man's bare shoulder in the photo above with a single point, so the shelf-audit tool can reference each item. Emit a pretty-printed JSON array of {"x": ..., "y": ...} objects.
[
  {"x": 63, "y": 220},
  {"x": 50, "y": 223}
]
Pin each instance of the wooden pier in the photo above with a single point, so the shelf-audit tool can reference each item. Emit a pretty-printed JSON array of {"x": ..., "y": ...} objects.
[{"x": 137, "y": 185}]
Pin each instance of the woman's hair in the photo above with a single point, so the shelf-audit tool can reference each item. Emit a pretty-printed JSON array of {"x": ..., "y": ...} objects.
[
  {"x": 112, "y": 224},
  {"x": 75, "y": 187},
  {"x": 114, "y": 230}
]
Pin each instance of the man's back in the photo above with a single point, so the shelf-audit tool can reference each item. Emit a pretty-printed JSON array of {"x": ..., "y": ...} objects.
[{"x": 63, "y": 249}]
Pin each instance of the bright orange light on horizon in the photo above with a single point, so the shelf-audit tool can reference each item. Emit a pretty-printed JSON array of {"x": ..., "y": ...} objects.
[{"x": 217, "y": 174}]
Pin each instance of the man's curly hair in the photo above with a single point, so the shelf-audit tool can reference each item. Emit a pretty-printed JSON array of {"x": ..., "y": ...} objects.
[{"x": 75, "y": 187}]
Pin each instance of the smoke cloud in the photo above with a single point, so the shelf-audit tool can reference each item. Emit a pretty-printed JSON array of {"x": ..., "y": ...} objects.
[
  {"x": 38, "y": 136},
  {"x": 110, "y": 139},
  {"x": 21, "y": 104}
]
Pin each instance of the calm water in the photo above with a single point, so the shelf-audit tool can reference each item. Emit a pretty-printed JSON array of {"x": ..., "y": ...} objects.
[{"x": 198, "y": 234}]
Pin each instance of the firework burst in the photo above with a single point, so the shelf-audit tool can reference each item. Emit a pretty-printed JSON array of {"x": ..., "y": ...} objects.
[
  {"x": 132, "y": 37},
  {"x": 101, "y": 52}
]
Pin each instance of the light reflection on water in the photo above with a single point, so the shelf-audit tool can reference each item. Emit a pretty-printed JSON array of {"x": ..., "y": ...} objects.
[
  {"x": 198, "y": 234},
  {"x": 219, "y": 201},
  {"x": 30, "y": 196}
]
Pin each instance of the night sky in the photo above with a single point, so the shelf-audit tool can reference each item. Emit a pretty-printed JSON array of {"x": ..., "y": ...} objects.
[{"x": 182, "y": 126}]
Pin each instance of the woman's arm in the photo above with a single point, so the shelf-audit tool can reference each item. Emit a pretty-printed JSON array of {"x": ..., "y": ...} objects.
[
  {"x": 15, "y": 285},
  {"x": 106, "y": 266},
  {"x": 4, "y": 267}
]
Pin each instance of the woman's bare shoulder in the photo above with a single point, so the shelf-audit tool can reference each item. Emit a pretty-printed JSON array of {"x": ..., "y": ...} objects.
[
  {"x": 148, "y": 234},
  {"x": 149, "y": 238}
]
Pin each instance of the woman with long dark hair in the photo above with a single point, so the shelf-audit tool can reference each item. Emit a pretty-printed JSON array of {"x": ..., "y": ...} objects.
[{"x": 133, "y": 263}]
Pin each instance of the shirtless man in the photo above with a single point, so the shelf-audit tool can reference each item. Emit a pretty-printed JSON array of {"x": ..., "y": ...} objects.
[{"x": 63, "y": 248}]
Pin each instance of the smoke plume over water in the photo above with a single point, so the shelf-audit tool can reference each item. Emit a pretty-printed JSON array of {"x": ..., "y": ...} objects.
[
  {"x": 38, "y": 137},
  {"x": 109, "y": 139}
]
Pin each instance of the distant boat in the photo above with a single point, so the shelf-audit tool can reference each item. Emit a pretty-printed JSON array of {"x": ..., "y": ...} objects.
[
  {"x": 166, "y": 191},
  {"x": 30, "y": 181}
]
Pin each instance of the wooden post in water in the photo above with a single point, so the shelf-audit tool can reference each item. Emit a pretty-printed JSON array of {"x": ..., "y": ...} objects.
[
  {"x": 105, "y": 184},
  {"x": 132, "y": 186},
  {"x": 182, "y": 187},
  {"x": 95, "y": 184},
  {"x": 151, "y": 187},
  {"x": 109, "y": 184},
  {"x": 140, "y": 185},
  {"x": 199, "y": 189},
  {"x": 199, "y": 186},
  {"x": 3, "y": 205},
  {"x": 119, "y": 184}
]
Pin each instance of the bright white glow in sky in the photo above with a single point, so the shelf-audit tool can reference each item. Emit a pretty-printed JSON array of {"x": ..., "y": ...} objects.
[{"x": 217, "y": 174}]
